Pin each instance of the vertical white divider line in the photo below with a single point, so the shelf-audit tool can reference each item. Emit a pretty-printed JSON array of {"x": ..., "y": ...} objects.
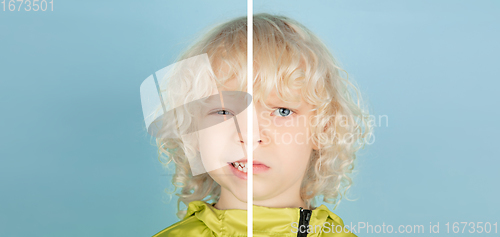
[{"x": 250, "y": 118}]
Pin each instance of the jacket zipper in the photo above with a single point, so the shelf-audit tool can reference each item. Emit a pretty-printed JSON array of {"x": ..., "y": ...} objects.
[{"x": 305, "y": 216}]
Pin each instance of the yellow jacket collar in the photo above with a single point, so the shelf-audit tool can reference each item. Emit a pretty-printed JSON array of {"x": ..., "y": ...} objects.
[{"x": 267, "y": 220}]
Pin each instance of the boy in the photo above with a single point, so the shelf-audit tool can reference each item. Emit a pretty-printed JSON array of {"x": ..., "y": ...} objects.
[{"x": 303, "y": 146}]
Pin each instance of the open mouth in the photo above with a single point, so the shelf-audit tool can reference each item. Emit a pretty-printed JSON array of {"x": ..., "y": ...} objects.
[{"x": 241, "y": 166}]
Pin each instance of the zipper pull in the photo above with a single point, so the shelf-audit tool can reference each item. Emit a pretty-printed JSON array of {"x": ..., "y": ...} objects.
[{"x": 305, "y": 216}]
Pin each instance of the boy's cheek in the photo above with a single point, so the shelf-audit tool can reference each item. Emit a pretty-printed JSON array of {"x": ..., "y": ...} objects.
[
  {"x": 264, "y": 121},
  {"x": 287, "y": 136},
  {"x": 265, "y": 136},
  {"x": 298, "y": 134}
]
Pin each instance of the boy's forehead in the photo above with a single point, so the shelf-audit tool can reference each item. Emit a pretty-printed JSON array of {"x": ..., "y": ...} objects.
[
  {"x": 272, "y": 98},
  {"x": 230, "y": 85}
]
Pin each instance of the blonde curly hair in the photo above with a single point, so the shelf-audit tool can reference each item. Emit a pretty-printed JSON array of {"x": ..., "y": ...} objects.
[{"x": 287, "y": 56}]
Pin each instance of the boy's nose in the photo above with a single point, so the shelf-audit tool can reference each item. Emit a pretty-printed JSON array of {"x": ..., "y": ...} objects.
[
  {"x": 256, "y": 138},
  {"x": 242, "y": 124},
  {"x": 259, "y": 141}
]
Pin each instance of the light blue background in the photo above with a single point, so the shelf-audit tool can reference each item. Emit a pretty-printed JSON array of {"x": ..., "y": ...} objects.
[{"x": 76, "y": 159}]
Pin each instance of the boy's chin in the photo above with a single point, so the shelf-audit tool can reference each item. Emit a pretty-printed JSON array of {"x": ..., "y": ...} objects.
[{"x": 261, "y": 193}]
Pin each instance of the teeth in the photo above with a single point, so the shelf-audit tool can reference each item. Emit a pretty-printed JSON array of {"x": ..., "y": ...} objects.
[{"x": 240, "y": 166}]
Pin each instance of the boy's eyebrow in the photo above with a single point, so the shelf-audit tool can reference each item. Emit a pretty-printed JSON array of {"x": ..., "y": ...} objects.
[{"x": 278, "y": 102}]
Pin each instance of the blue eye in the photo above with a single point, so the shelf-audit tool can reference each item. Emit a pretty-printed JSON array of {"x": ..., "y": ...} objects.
[
  {"x": 284, "y": 112},
  {"x": 223, "y": 112}
]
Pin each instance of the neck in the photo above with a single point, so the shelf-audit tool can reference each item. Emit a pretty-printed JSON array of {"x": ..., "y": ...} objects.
[{"x": 285, "y": 200}]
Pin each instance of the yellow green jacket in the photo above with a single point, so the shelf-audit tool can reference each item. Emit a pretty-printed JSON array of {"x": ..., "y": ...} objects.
[{"x": 203, "y": 219}]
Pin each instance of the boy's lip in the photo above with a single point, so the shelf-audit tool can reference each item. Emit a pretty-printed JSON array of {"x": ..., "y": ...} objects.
[
  {"x": 254, "y": 162},
  {"x": 257, "y": 168}
]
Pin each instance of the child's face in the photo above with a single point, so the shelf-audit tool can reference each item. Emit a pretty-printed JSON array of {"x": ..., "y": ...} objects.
[{"x": 285, "y": 149}]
